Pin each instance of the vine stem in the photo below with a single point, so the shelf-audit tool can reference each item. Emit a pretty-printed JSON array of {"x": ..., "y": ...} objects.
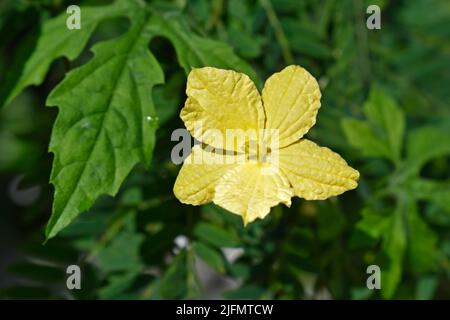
[{"x": 279, "y": 33}]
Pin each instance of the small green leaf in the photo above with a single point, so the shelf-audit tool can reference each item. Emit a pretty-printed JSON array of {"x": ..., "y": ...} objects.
[
  {"x": 87, "y": 226},
  {"x": 214, "y": 235},
  {"x": 117, "y": 285},
  {"x": 132, "y": 197},
  {"x": 387, "y": 119},
  {"x": 424, "y": 144},
  {"x": 240, "y": 270},
  {"x": 394, "y": 245},
  {"x": 173, "y": 284},
  {"x": 247, "y": 45},
  {"x": 123, "y": 253},
  {"x": 305, "y": 40},
  {"x": 404, "y": 235},
  {"x": 373, "y": 223},
  {"x": 360, "y": 135},
  {"x": 422, "y": 241},
  {"x": 210, "y": 256},
  {"x": 382, "y": 134}
]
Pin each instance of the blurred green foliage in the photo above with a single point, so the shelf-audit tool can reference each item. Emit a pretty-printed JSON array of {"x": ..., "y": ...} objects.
[{"x": 384, "y": 108}]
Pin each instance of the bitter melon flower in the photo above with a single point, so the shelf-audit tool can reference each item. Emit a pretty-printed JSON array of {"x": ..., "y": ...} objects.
[{"x": 274, "y": 161}]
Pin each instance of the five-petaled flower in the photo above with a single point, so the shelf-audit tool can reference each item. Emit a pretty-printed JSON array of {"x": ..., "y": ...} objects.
[{"x": 224, "y": 99}]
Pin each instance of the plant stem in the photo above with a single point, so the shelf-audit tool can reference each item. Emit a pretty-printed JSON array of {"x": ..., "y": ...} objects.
[{"x": 279, "y": 33}]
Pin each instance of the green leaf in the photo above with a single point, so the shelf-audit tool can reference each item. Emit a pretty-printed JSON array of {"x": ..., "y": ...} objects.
[
  {"x": 424, "y": 144},
  {"x": 387, "y": 118},
  {"x": 19, "y": 39},
  {"x": 106, "y": 123},
  {"x": 117, "y": 285},
  {"x": 88, "y": 226},
  {"x": 132, "y": 197},
  {"x": 404, "y": 235},
  {"x": 247, "y": 45},
  {"x": 422, "y": 241},
  {"x": 434, "y": 191},
  {"x": 240, "y": 270},
  {"x": 360, "y": 135},
  {"x": 210, "y": 256},
  {"x": 56, "y": 41},
  {"x": 215, "y": 235},
  {"x": 123, "y": 253},
  {"x": 394, "y": 245},
  {"x": 382, "y": 134},
  {"x": 426, "y": 287},
  {"x": 195, "y": 51},
  {"x": 305, "y": 39},
  {"x": 173, "y": 284},
  {"x": 373, "y": 223}
]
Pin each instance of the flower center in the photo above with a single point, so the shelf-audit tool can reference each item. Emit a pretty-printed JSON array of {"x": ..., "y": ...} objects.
[{"x": 258, "y": 152}]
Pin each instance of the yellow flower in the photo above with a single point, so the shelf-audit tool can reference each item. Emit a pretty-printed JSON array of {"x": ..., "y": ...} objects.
[{"x": 220, "y": 100}]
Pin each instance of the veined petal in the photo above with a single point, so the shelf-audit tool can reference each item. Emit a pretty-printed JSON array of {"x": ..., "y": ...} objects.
[
  {"x": 199, "y": 175},
  {"x": 251, "y": 189},
  {"x": 219, "y": 100},
  {"x": 316, "y": 173},
  {"x": 291, "y": 101}
]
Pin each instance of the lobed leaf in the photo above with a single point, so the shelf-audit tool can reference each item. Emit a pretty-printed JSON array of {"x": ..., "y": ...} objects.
[
  {"x": 195, "y": 51},
  {"x": 387, "y": 119},
  {"x": 106, "y": 123},
  {"x": 57, "y": 41}
]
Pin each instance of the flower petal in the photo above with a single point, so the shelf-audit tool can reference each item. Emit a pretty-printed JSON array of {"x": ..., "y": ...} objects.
[
  {"x": 291, "y": 101},
  {"x": 218, "y": 100},
  {"x": 315, "y": 172},
  {"x": 199, "y": 175},
  {"x": 251, "y": 189}
]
